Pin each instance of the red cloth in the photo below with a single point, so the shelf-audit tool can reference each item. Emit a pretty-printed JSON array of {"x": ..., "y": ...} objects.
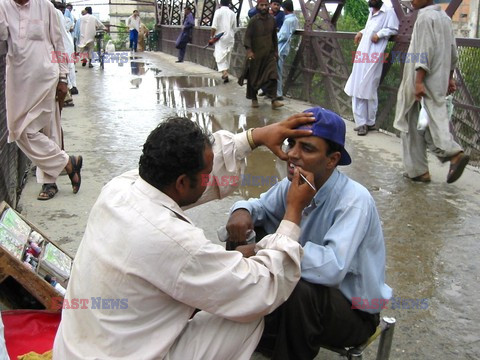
[{"x": 29, "y": 330}]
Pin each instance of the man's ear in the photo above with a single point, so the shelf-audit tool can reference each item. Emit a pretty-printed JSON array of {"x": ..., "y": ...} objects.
[
  {"x": 333, "y": 160},
  {"x": 182, "y": 184}
]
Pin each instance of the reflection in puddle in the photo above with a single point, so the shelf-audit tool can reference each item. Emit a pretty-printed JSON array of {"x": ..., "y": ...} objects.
[
  {"x": 137, "y": 68},
  {"x": 177, "y": 92}
]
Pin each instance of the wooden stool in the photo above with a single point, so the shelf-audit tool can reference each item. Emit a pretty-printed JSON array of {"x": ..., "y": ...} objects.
[{"x": 384, "y": 330}]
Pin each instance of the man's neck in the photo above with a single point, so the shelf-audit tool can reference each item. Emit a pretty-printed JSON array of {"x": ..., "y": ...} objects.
[{"x": 21, "y": 2}]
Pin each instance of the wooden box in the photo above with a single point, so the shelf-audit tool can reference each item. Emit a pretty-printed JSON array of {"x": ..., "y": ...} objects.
[{"x": 26, "y": 257}]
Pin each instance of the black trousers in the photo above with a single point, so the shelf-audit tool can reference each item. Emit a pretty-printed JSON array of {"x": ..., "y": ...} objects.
[
  {"x": 270, "y": 88},
  {"x": 314, "y": 315}
]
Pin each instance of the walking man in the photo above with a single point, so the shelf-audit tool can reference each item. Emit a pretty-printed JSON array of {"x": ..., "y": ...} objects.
[
  {"x": 368, "y": 63},
  {"x": 261, "y": 44},
  {"x": 88, "y": 28},
  {"x": 133, "y": 24},
  {"x": 224, "y": 21},
  {"x": 429, "y": 81}
]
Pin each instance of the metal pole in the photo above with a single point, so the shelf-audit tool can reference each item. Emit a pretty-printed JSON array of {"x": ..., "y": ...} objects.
[{"x": 386, "y": 338}]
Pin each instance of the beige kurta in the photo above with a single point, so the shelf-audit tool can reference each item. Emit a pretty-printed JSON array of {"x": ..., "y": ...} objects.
[
  {"x": 142, "y": 252},
  {"x": 432, "y": 35},
  {"x": 33, "y": 34},
  {"x": 432, "y": 40},
  {"x": 142, "y": 36},
  {"x": 88, "y": 29}
]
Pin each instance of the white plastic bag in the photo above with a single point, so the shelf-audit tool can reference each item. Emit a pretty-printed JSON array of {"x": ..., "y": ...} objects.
[{"x": 422, "y": 118}]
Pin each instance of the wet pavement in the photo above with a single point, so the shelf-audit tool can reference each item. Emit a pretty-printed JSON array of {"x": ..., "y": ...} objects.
[{"x": 431, "y": 230}]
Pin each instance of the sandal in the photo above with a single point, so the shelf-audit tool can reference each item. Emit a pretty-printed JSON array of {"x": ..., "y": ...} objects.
[
  {"x": 48, "y": 191},
  {"x": 77, "y": 162},
  {"x": 425, "y": 178},
  {"x": 456, "y": 169}
]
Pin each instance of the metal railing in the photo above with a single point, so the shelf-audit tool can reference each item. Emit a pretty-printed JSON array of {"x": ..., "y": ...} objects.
[{"x": 321, "y": 81}]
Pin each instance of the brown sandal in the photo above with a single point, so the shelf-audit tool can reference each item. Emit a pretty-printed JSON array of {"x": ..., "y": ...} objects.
[
  {"x": 456, "y": 169},
  {"x": 77, "y": 162},
  {"x": 48, "y": 191},
  {"x": 425, "y": 178}
]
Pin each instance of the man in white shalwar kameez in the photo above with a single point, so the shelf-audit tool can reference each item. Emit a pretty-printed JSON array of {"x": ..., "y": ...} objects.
[
  {"x": 70, "y": 48},
  {"x": 69, "y": 56},
  {"x": 88, "y": 28},
  {"x": 33, "y": 81},
  {"x": 224, "y": 20},
  {"x": 143, "y": 267},
  {"x": 368, "y": 63},
  {"x": 429, "y": 81}
]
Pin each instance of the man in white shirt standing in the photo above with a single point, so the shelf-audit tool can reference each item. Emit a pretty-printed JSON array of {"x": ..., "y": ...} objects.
[
  {"x": 368, "y": 63},
  {"x": 143, "y": 267},
  {"x": 35, "y": 89},
  {"x": 224, "y": 21},
  {"x": 133, "y": 23}
]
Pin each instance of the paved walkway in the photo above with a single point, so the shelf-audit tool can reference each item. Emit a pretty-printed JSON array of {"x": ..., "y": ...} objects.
[{"x": 431, "y": 231}]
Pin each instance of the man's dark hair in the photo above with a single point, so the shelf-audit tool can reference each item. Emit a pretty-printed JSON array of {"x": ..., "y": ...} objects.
[
  {"x": 58, "y": 5},
  {"x": 288, "y": 5},
  {"x": 174, "y": 148},
  {"x": 88, "y": 9},
  {"x": 332, "y": 146},
  {"x": 225, "y": 2},
  {"x": 276, "y": 1}
]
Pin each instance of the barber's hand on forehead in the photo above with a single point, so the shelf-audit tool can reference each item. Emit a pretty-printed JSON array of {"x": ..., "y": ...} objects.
[{"x": 273, "y": 136}]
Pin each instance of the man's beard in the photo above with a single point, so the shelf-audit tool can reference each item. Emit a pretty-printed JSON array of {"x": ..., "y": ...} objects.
[
  {"x": 377, "y": 4},
  {"x": 264, "y": 11}
]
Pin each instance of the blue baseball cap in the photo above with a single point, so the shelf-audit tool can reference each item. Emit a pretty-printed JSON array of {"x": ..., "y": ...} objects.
[{"x": 329, "y": 126}]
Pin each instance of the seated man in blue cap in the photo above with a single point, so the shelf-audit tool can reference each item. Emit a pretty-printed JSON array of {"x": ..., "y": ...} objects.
[{"x": 342, "y": 289}]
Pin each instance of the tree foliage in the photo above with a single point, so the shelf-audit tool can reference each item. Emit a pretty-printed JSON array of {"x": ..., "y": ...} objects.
[{"x": 358, "y": 10}]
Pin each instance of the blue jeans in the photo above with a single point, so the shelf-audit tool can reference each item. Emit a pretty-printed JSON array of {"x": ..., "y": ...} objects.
[{"x": 133, "y": 39}]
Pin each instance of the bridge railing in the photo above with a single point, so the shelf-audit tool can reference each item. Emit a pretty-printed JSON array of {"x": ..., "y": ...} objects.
[{"x": 321, "y": 81}]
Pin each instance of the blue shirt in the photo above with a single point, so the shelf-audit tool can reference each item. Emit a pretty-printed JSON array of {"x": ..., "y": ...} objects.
[
  {"x": 68, "y": 14},
  {"x": 289, "y": 26},
  {"x": 341, "y": 236},
  {"x": 76, "y": 30}
]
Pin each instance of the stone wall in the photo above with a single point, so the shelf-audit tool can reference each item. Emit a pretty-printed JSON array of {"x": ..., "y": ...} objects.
[
  {"x": 196, "y": 51},
  {"x": 12, "y": 163}
]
